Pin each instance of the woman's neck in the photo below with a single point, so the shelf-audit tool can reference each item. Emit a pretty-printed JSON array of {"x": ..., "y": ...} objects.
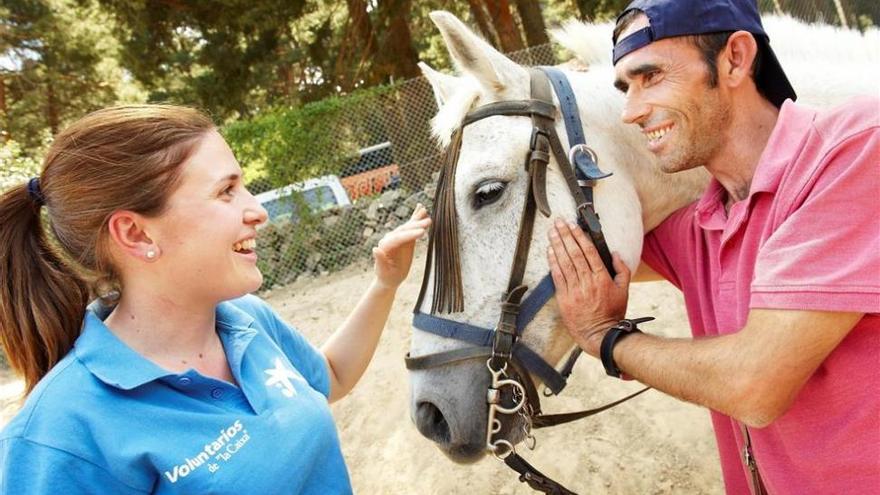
[{"x": 174, "y": 335}]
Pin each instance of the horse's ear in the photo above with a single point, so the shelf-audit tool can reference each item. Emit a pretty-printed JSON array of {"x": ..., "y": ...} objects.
[
  {"x": 472, "y": 55},
  {"x": 444, "y": 85}
]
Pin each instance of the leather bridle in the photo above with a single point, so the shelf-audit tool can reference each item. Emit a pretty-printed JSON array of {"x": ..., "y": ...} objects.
[{"x": 510, "y": 361}]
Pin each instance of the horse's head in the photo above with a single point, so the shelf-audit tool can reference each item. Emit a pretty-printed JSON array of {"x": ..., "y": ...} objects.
[{"x": 477, "y": 220}]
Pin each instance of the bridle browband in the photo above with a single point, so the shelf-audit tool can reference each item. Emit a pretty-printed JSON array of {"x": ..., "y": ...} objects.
[{"x": 501, "y": 346}]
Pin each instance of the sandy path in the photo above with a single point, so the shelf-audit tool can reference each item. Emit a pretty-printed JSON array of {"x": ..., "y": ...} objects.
[{"x": 651, "y": 445}]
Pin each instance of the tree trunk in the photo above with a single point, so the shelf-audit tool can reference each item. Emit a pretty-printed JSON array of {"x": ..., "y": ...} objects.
[
  {"x": 398, "y": 51},
  {"x": 508, "y": 32},
  {"x": 533, "y": 22},
  {"x": 362, "y": 27},
  {"x": 483, "y": 22},
  {"x": 52, "y": 106},
  {"x": 4, "y": 114},
  {"x": 360, "y": 21}
]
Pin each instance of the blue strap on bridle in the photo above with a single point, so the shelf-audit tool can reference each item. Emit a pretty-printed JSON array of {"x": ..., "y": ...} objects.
[
  {"x": 584, "y": 166},
  {"x": 483, "y": 337}
]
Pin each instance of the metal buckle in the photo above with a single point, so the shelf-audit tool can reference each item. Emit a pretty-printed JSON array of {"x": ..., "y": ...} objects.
[{"x": 582, "y": 148}]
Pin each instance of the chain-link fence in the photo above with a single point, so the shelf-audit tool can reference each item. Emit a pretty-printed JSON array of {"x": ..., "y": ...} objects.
[
  {"x": 395, "y": 168},
  {"x": 398, "y": 162}
]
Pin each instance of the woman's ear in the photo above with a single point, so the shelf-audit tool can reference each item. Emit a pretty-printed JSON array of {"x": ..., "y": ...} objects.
[{"x": 128, "y": 235}]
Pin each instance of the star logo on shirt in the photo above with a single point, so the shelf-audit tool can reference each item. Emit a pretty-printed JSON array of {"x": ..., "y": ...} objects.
[{"x": 281, "y": 377}]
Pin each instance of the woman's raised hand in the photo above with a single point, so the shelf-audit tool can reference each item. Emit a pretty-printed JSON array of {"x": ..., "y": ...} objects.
[{"x": 393, "y": 257}]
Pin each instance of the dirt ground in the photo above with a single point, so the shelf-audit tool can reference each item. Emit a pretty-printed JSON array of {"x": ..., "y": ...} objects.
[{"x": 651, "y": 445}]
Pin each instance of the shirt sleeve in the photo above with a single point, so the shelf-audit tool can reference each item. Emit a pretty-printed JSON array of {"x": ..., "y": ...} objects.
[
  {"x": 666, "y": 248},
  {"x": 825, "y": 253},
  {"x": 32, "y": 468},
  {"x": 307, "y": 359}
]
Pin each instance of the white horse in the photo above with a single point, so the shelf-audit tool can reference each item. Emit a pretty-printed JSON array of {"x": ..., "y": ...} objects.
[{"x": 448, "y": 403}]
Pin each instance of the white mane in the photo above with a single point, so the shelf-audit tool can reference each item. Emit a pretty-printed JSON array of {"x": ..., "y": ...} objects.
[
  {"x": 818, "y": 59},
  {"x": 451, "y": 113},
  {"x": 793, "y": 42}
]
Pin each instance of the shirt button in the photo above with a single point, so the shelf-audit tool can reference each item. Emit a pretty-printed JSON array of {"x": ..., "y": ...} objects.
[
  {"x": 184, "y": 381},
  {"x": 217, "y": 393}
]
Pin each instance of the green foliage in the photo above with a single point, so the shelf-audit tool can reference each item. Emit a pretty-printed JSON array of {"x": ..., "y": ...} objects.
[
  {"x": 15, "y": 166},
  {"x": 292, "y": 144},
  {"x": 59, "y": 62},
  {"x": 220, "y": 55}
]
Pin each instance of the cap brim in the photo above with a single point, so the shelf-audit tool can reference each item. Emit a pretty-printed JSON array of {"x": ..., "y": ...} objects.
[{"x": 770, "y": 78}]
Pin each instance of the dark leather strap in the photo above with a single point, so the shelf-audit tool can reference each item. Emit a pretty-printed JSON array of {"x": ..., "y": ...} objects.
[
  {"x": 505, "y": 331},
  {"x": 522, "y": 108},
  {"x": 587, "y": 217},
  {"x": 448, "y": 357},
  {"x": 614, "y": 335},
  {"x": 548, "y": 420},
  {"x": 535, "y": 479}
]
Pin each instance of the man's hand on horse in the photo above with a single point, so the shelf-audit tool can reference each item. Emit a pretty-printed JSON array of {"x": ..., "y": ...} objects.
[
  {"x": 590, "y": 301},
  {"x": 394, "y": 254}
]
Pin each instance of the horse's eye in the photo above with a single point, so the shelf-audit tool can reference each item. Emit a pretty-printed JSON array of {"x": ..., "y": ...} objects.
[{"x": 488, "y": 192}]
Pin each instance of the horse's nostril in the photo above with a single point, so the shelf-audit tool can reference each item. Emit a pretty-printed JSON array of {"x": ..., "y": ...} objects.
[{"x": 431, "y": 423}]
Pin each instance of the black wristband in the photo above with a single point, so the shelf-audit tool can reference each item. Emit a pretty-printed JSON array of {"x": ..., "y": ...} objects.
[{"x": 612, "y": 337}]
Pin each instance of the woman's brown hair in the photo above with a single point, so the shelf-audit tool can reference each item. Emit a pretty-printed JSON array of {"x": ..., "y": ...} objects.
[{"x": 120, "y": 158}]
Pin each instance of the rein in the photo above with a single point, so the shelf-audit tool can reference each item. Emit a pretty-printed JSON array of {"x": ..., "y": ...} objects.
[{"x": 510, "y": 361}]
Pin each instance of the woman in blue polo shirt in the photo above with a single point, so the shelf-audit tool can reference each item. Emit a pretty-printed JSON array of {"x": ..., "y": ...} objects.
[{"x": 180, "y": 382}]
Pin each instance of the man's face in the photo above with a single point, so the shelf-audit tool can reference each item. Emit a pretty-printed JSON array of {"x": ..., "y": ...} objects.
[{"x": 668, "y": 95}]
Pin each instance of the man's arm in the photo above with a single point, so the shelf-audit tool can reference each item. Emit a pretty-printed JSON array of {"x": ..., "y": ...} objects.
[{"x": 753, "y": 375}]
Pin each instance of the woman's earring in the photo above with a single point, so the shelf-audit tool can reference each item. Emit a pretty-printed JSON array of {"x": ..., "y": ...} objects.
[{"x": 151, "y": 255}]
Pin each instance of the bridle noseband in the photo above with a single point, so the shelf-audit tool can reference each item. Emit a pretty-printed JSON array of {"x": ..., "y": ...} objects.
[{"x": 506, "y": 356}]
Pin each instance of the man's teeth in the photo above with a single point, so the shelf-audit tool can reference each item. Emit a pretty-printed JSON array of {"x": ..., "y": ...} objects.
[
  {"x": 659, "y": 133},
  {"x": 247, "y": 245}
]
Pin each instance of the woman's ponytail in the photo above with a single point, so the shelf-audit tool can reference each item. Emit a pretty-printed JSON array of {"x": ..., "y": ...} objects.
[{"x": 42, "y": 301}]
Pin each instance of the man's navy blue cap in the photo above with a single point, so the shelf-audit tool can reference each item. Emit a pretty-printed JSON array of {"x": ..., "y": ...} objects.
[{"x": 671, "y": 18}]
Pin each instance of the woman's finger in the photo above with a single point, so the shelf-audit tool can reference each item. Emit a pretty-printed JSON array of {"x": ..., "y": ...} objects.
[
  {"x": 397, "y": 238},
  {"x": 419, "y": 212}
]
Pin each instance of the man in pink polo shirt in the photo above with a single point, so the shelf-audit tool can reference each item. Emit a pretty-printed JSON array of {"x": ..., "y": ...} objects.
[{"x": 779, "y": 261}]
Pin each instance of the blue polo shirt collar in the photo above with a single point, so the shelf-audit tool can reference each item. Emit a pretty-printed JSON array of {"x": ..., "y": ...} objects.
[{"x": 118, "y": 365}]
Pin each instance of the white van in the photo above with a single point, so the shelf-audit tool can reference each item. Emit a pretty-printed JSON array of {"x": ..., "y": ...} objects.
[{"x": 320, "y": 194}]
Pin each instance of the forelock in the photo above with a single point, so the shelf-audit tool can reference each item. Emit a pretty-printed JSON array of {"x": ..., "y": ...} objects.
[{"x": 453, "y": 111}]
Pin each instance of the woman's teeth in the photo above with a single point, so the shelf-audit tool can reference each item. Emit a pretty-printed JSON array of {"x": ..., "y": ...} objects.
[{"x": 247, "y": 245}]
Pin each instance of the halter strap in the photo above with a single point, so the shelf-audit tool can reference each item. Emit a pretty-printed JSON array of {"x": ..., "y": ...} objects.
[
  {"x": 521, "y": 108},
  {"x": 585, "y": 166}
]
